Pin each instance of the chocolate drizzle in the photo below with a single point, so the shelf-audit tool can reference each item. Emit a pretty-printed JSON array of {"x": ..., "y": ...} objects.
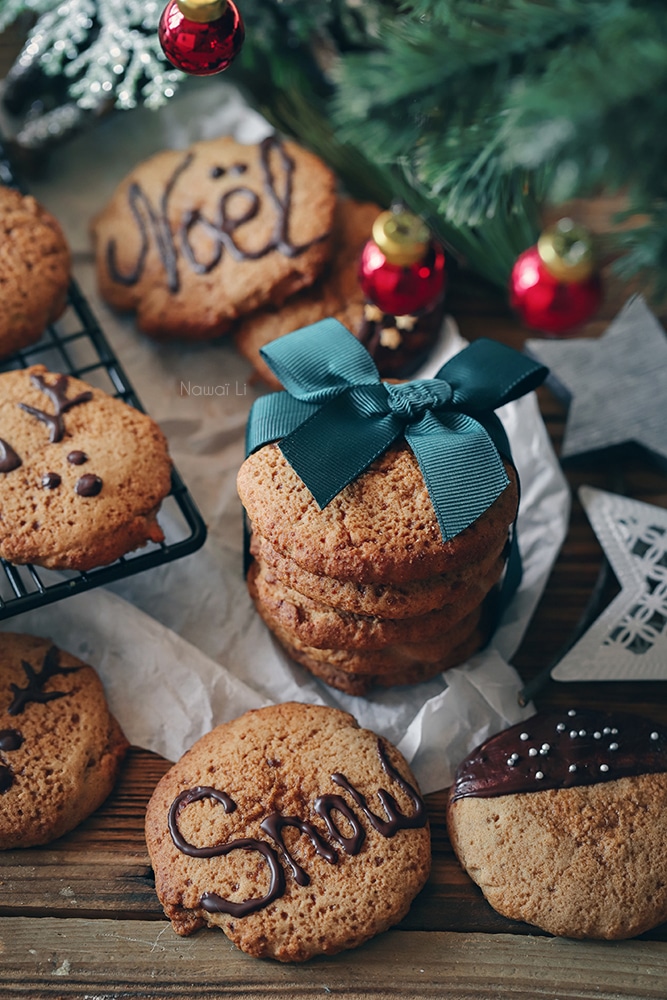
[
  {"x": 563, "y": 750},
  {"x": 9, "y": 460},
  {"x": 274, "y": 824},
  {"x": 152, "y": 222},
  {"x": 34, "y": 691},
  {"x": 57, "y": 393}
]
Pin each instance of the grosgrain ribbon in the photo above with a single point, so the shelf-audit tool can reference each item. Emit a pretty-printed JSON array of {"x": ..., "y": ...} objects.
[{"x": 337, "y": 416}]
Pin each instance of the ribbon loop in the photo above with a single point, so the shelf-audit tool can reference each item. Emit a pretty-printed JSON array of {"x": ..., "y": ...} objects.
[{"x": 337, "y": 417}]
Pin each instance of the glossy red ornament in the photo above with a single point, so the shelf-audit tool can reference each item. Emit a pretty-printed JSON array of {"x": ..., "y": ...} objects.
[
  {"x": 552, "y": 288},
  {"x": 401, "y": 270},
  {"x": 198, "y": 47}
]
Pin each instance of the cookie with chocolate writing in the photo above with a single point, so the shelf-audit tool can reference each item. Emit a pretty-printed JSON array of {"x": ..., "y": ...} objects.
[
  {"x": 192, "y": 239},
  {"x": 60, "y": 748},
  {"x": 291, "y": 829},
  {"x": 562, "y": 822},
  {"x": 34, "y": 270},
  {"x": 82, "y": 474}
]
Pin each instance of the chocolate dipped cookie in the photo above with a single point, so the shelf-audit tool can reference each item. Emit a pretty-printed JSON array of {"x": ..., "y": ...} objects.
[
  {"x": 562, "y": 822},
  {"x": 292, "y": 830},
  {"x": 192, "y": 239}
]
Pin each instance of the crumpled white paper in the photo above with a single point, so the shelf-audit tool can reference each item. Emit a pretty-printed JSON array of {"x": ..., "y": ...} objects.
[{"x": 181, "y": 648}]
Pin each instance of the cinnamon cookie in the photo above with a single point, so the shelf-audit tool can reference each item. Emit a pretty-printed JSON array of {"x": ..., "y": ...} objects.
[
  {"x": 291, "y": 829},
  {"x": 192, "y": 239},
  {"x": 82, "y": 474},
  {"x": 337, "y": 292},
  {"x": 34, "y": 270},
  {"x": 60, "y": 749},
  {"x": 562, "y": 822},
  {"x": 380, "y": 529}
]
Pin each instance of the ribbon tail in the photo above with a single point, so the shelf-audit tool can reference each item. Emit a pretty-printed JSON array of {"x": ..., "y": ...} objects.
[
  {"x": 462, "y": 469},
  {"x": 336, "y": 445},
  {"x": 273, "y": 417}
]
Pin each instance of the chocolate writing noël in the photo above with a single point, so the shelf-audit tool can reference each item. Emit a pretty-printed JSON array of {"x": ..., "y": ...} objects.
[
  {"x": 273, "y": 825},
  {"x": 236, "y": 207},
  {"x": 562, "y": 750}
]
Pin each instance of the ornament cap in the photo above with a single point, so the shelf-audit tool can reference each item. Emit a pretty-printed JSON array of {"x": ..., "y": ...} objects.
[
  {"x": 402, "y": 237},
  {"x": 202, "y": 11},
  {"x": 566, "y": 250}
]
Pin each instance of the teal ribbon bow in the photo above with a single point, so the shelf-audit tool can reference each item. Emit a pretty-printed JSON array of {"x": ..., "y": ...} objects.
[{"x": 337, "y": 416}]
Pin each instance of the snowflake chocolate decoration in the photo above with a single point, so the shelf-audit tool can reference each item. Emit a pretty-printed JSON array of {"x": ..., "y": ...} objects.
[{"x": 629, "y": 639}]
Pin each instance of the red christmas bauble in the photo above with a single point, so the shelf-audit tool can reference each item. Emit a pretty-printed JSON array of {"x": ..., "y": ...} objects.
[
  {"x": 200, "y": 48},
  {"x": 401, "y": 270},
  {"x": 553, "y": 286}
]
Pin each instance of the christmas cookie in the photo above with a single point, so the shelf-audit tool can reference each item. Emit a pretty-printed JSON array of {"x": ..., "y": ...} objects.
[
  {"x": 337, "y": 292},
  {"x": 562, "y": 822},
  {"x": 82, "y": 474},
  {"x": 380, "y": 529},
  {"x": 192, "y": 239},
  {"x": 60, "y": 749},
  {"x": 291, "y": 829},
  {"x": 34, "y": 270},
  {"x": 382, "y": 600}
]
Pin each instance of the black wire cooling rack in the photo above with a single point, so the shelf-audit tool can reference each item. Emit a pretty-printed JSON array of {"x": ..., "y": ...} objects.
[{"x": 75, "y": 345}]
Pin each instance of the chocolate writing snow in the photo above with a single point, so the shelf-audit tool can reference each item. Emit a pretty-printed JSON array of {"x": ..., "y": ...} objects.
[
  {"x": 236, "y": 207},
  {"x": 274, "y": 824},
  {"x": 562, "y": 750}
]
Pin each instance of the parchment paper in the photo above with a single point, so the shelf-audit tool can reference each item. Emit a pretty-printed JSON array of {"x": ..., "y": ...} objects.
[{"x": 181, "y": 648}]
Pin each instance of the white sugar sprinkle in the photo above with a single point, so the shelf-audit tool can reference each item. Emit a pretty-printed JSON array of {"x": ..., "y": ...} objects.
[
  {"x": 514, "y": 756},
  {"x": 597, "y": 736},
  {"x": 571, "y": 712},
  {"x": 532, "y": 752},
  {"x": 655, "y": 736},
  {"x": 582, "y": 732},
  {"x": 560, "y": 727},
  {"x": 573, "y": 733},
  {"x": 546, "y": 746},
  {"x": 544, "y": 752},
  {"x": 572, "y": 767},
  {"x": 606, "y": 730},
  {"x": 539, "y": 774},
  {"x": 511, "y": 762},
  {"x": 614, "y": 732},
  {"x": 523, "y": 736},
  {"x": 604, "y": 767},
  {"x": 613, "y": 746}
]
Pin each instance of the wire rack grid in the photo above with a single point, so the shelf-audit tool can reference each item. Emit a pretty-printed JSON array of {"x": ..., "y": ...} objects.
[{"x": 75, "y": 345}]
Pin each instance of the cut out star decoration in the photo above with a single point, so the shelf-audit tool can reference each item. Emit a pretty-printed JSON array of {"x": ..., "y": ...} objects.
[
  {"x": 629, "y": 639},
  {"x": 616, "y": 385}
]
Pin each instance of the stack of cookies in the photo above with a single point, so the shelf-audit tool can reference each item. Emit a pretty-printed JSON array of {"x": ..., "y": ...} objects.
[{"x": 365, "y": 592}]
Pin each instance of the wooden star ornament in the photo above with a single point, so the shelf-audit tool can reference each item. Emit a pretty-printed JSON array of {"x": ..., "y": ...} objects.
[
  {"x": 629, "y": 639},
  {"x": 616, "y": 385}
]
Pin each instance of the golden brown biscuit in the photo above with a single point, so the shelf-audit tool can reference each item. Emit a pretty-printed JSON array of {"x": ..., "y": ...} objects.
[
  {"x": 384, "y": 600},
  {"x": 337, "y": 292},
  {"x": 34, "y": 270},
  {"x": 562, "y": 822},
  {"x": 82, "y": 474},
  {"x": 274, "y": 828},
  {"x": 192, "y": 239},
  {"x": 60, "y": 749},
  {"x": 380, "y": 529},
  {"x": 326, "y": 627}
]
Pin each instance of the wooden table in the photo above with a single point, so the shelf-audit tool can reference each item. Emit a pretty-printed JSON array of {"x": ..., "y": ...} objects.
[{"x": 80, "y": 918}]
